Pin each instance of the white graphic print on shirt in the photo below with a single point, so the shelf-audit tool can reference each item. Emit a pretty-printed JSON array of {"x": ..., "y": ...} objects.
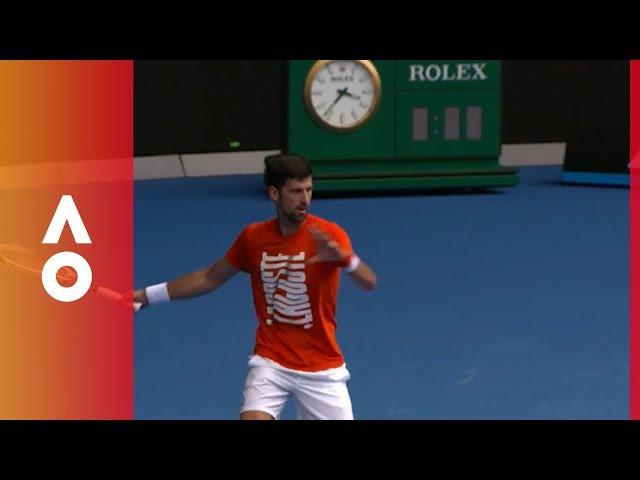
[{"x": 283, "y": 281}]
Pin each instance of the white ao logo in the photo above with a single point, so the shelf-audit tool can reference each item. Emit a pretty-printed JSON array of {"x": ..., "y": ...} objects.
[{"x": 66, "y": 212}]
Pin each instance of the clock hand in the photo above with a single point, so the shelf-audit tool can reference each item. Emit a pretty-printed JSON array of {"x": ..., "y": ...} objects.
[
  {"x": 340, "y": 95},
  {"x": 352, "y": 95}
]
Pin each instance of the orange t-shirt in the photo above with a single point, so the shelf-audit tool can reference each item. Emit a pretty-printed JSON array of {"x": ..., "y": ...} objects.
[{"x": 295, "y": 303}]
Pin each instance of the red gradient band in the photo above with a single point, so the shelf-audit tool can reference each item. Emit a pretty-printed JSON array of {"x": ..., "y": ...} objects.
[{"x": 67, "y": 129}]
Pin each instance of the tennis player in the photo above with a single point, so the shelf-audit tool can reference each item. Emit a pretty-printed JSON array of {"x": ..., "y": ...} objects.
[{"x": 294, "y": 261}]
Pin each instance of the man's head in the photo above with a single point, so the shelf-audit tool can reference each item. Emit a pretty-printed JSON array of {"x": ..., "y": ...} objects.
[{"x": 289, "y": 184}]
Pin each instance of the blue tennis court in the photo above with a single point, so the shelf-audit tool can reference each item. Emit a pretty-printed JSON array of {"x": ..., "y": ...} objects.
[{"x": 498, "y": 304}]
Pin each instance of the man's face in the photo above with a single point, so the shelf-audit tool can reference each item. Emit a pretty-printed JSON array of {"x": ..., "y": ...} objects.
[{"x": 293, "y": 199}]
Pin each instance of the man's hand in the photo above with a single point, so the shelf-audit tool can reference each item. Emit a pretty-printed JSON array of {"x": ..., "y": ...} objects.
[
  {"x": 328, "y": 249},
  {"x": 140, "y": 296},
  {"x": 134, "y": 300}
]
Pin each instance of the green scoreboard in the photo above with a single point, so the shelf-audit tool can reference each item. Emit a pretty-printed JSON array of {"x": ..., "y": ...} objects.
[{"x": 381, "y": 125}]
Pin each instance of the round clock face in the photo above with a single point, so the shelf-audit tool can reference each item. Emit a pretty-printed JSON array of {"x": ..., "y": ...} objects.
[{"x": 342, "y": 95}]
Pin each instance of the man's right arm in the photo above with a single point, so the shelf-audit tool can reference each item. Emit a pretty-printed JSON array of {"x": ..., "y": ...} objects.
[{"x": 195, "y": 283}]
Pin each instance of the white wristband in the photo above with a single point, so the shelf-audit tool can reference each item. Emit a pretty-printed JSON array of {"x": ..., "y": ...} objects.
[
  {"x": 158, "y": 293},
  {"x": 354, "y": 263}
]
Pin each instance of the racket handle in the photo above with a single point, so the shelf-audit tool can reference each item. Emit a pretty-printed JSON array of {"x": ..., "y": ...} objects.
[
  {"x": 109, "y": 294},
  {"x": 116, "y": 297}
]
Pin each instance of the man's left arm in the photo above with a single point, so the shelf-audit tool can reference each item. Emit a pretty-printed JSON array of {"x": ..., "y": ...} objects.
[{"x": 361, "y": 273}]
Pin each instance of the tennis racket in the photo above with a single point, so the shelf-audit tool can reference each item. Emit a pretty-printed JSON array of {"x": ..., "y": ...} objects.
[{"x": 28, "y": 262}]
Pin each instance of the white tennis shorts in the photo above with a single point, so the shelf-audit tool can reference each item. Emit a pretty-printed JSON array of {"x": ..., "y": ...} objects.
[{"x": 317, "y": 395}]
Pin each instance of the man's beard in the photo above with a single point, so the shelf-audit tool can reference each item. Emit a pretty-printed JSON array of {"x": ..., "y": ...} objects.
[{"x": 294, "y": 217}]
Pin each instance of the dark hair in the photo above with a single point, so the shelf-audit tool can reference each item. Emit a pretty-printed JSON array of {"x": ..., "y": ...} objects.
[{"x": 283, "y": 166}]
